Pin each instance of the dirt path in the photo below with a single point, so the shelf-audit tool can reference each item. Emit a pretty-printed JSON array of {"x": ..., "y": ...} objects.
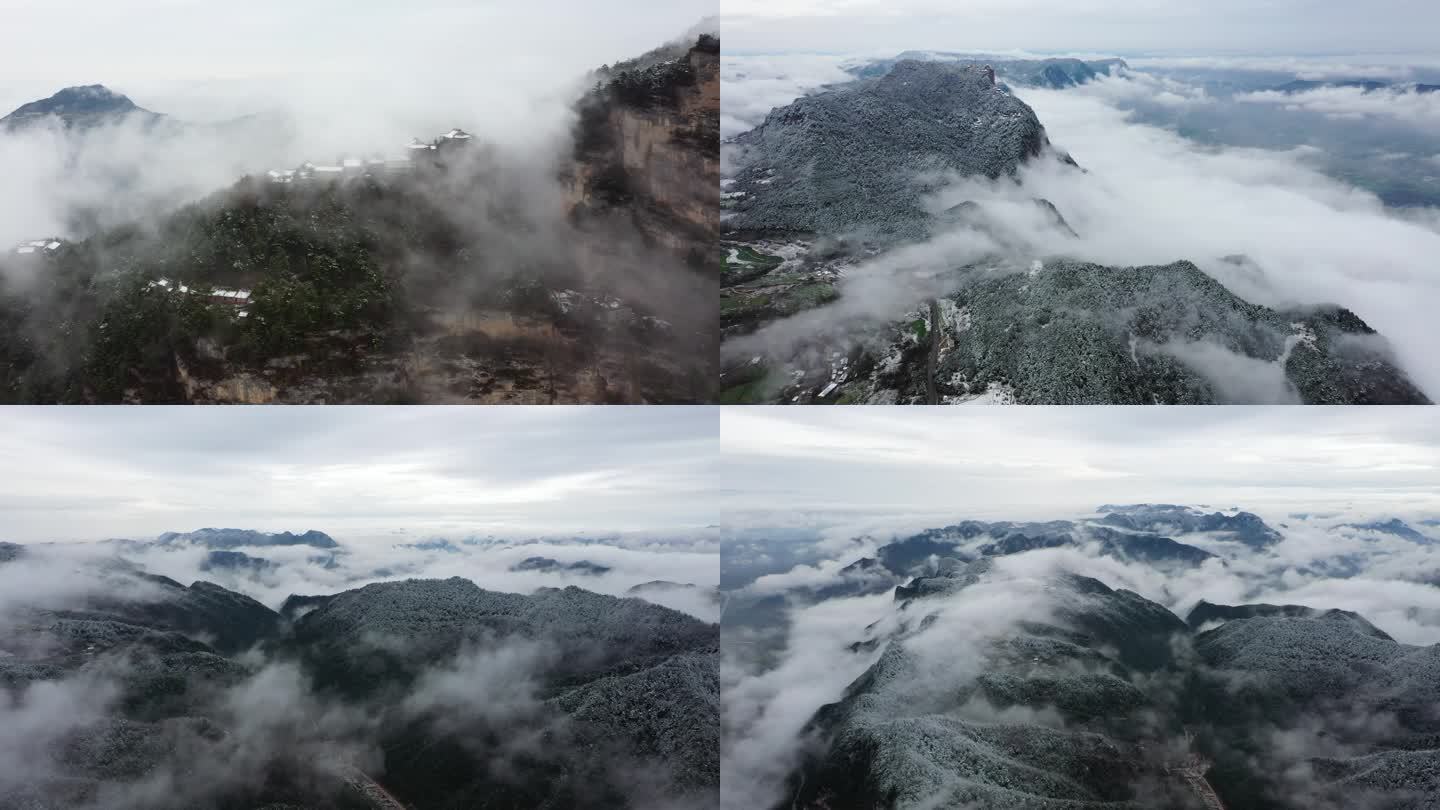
[{"x": 374, "y": 792}]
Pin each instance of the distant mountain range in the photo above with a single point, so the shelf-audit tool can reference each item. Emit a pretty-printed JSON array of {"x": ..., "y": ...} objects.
[
  {"x": 550, "y": 566},
  {"x": 1057, "y": 73},
  {"x": 1366, "y": 85},
  {"x": 236, "y": 538}
]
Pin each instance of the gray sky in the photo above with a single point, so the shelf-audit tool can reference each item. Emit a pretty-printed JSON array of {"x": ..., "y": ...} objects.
[
  {"x": 169, "y": 54},
  {"x": 1050, "y": 462},
  {"x": 1292, "y": 26},
  {"x": 94, "y": 473}
]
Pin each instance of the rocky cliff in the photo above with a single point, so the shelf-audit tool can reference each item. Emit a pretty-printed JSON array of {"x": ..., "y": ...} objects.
[
  {"x": 648, "y": 148},
  {"x": 861, "y": 157}
]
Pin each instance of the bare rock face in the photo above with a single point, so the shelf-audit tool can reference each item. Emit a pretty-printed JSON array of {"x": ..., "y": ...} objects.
[
  {"x": 648, "y": 141},
  {"x": 859, "y": 158}
]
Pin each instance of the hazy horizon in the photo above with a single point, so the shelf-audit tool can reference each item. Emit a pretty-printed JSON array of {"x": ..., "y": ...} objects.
[{"x": 357, "y": 473}]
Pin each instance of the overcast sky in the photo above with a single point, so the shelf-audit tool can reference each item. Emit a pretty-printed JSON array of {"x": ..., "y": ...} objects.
[
  {"x": 94, "y": 473},
  {"x": 151, "y": 47},
  {"x": 1292, "y": 26},
  {"x": 1029, "y": 462}
]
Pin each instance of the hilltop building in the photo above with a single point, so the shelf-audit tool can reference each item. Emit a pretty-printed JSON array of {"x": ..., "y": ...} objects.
[
  {"x": 42, "y": 247},
  {"x": 417, "y": 153}
]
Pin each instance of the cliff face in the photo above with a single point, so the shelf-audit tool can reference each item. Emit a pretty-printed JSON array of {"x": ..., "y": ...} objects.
[
  {"x": 859, "y": 158},
  {"x": 648, "y": 146}
]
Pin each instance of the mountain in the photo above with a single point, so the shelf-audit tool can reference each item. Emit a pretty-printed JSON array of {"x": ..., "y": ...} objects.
[
  {"x": 972, "y": 539},
  {"x": 647, "y": 145},
  {"x": 914, "y": 730},
  {"x": 237, "y": 561},
  {"x": 846, "y": 159},
  {"x": 81, "y": 108},
  {"x": 237, "y": 538},
  {"x": 1306, "y": 85},
  {"x": 1056, "y": 73},
  {"x": 1393, "y": 526},
  {"x": 1318, "y": 711},
  {"x": 550, "y": 566},
  {"x": 828, "y": 192},
  {"x": 1069, "y": 332},
  {"x": 1205, "y": 613},
  {"x": 916, "y": 561},
  {"x": 156, "y": 695},
  {"x": 1243, "y": 527},
  {"x": 631, "y": 685},
  {"x": 660, "y": 587},
  {"x": 1093, "y": 697}
]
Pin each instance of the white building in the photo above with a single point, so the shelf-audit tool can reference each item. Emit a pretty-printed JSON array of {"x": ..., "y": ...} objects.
[
  {"x": 168, "y": 286},
  {"x": 38, "y": 246},
  {"x": 232, "y": 297}
]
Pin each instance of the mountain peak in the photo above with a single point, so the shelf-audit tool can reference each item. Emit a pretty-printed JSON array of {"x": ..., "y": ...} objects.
[
  {"x": 81, "y": 103},
  {"x": 235, "y": 538}
]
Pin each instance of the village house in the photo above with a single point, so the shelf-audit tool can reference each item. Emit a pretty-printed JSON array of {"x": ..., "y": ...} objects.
[
  {"x": 238, "y": 298},
  {"x": 44, "y": 247},
  {"x": 417, "y": 153}
]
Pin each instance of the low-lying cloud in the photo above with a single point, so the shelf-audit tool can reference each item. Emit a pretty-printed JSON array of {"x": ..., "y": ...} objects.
[{"x": 1403, "y": 104}]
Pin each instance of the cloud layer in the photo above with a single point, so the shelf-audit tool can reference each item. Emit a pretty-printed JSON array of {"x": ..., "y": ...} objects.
[{"x": 356, "y": 473}]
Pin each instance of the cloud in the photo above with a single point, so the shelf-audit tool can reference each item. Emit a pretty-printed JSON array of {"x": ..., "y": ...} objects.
[
  {"x": 771, "y": 692},
  {"x": 1039, "y": 463},
  {"x": 93, "y": 729},
  {"x": 1396, "y": 67},
  {"x": 1401, "y": 104},
  {"x": 765, "y": 711},
  {"x": 311, "y": 75},
  {"x": 358, "y": 473},
  {"x": 1138, "y": 86},
  {"x": 751, "y": 86}
]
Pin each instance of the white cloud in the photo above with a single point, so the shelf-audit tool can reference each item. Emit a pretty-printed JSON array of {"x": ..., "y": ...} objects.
[
  {"x": 329, "y": 78},
  {"x": 1060, "y": 462},
  {"x": 751, "y": 86},
  {"x": 1400, "y": 104},
  {"x": 1394, "y": 67},
  {"x": 356, "y": 473}
]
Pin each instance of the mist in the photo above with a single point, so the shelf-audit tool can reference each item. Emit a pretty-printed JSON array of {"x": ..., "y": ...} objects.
[{"x": 275, "y": 86}]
